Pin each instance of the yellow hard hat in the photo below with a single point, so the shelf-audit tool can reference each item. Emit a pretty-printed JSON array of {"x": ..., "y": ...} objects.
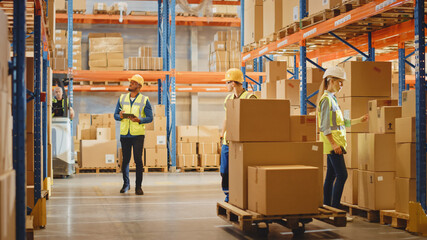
[
  {"x": 137, "y": 78},
  {"x": 233, "y": 74}
]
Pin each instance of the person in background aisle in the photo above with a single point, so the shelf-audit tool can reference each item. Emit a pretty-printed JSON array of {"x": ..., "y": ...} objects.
[
  {"x": 333, "y": 134},
  {"x": 133, "y": 110},
  {"x": 234, "y": 81},
  {"x": 58, "y": 104}
]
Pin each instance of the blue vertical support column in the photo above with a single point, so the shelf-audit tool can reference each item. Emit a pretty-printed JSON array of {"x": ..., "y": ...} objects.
[
  {"x": 303, "y": 82},
  {"x": 44, "y": 115},
  {"x": 260, "y": 67},
  {"x": 401, "y": 71},
  {"x": 371, "y": 48},
  {"x": 302, "y": 9},
  {"x": 166, "y": 67},
  {"x": 242, "y": 39},
  {"x": 173, "y": 90},
  {"x": 19, "y": 111},
  {"x": 420, "y": 102},
  {"x": 255, "y": 67},
  {"x": 70, "y": 60},
  {"x": 159, "y": 47},
  {"x": 37, "y": 108},
  {"x": 296, "y": 70}
]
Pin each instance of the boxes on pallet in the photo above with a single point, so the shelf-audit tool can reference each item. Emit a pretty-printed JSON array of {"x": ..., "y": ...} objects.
[
  {"x": 386, "y": 118},
  {"x": 187, "y": 160},
  {"x": 146, "y": 63},
  {"x": 209, "y": 160},
  {"x": 235, "y": 64},
  {"x": 186, "y": 148},
  {"x": 233, "y": 35},
  {"x": 406, "y": 160},
  {"x": 208, "y": 148},
  {"x": 267, "y": 197},
  {"x": 232, "y": 45},
  {"x": 376, "y": 152},
  {"x": 8, "y": 205},
  {"x": 187, "y": 134},
  {"x": 133, "y": 63},
  {"x": 406, "y": 190},
  {"x": 244, "y": 154},
  {"x": 316, "y": 6},
  {"x": 350, "y": 194},
  {"x": 303, "y": 128},
  {"x": 98, "y": 153},
  {"x": 208, "y": 134},
  {"x": 219, "y": 66},
  {"x": 272, "y": 16},
  {"x": 60, "y": 5},
  {"x": 103, "y": 133},
  {"x": 373, "y": 107},
  {"x": 156, "y": 157},
  {"x": 145, "y": 51},
  {"x": 155, "y": 139},
  {"x": 352, "y": 157},
  {"x": 79, "y": 5},
  {"x": 268, "y": 126},
  {"x": 235, "y": 56},
  {"x": 59, "y": 64},
  {"x": 217, "y": 46},
  {"x": 290, "y": 11},
  {"x": 253, "y": 21},
  {"x": 376, "y": 190},
  {"x": 276, "y": 70},
  {"x": 220, "y": 36}
]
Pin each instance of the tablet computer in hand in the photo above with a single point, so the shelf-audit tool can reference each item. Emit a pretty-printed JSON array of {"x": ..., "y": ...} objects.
[{"x": 128, "y": 115}]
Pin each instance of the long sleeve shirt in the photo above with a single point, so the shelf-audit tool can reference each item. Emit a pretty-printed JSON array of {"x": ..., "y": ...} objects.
[
  {"x": 325, "y": 108},
  {"x": 142, "y": 120}
]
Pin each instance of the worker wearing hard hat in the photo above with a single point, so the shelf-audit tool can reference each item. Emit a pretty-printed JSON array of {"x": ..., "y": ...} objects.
[
  {"x": 333, "y": 134},
  {"x": 133, "y": 110},
  {"x": 59, "y": 105},
  {"x": 234, "y": 81}
]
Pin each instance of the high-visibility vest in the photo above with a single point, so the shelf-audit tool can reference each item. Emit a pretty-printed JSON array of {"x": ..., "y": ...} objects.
[
  {"x": 54, "y": 100},
  {"x": 244, "y": 95},
  {"x": 337, "y": 125},
  {"x": 137, "y": 109}
]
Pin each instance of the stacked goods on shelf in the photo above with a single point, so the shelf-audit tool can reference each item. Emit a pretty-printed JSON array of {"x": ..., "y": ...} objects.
[
  {"x": 77, "y": 50},
  {"x": 253, "y": 21},
  {"x": 224, "y": 11},
  {"x": 116, "y": 9},
  {"x": 258, "y": 143},
  {"x": 96, "y": 134},
  {"x": 79, "y": 6},
  {"x": 272, "y": 16},
  {"x": 155, "y": 150},
  {"x": 224, "y": 51},
  {"x": 7, "y": 174},
  {"x": 144, "y": 61},
  {"x": 59, "y": 60},
  {"x": 208, "y": 148},
  {"x": 187, "y": 138},
  {"x": 60, "y": 6},
  {"x": 316, "y": 6},
  {"x": 100, "y": 8},
  {"x": 106, "y": 51},
  {"x": 51, "y": 18},
  {"x": 290, "y": 11}
]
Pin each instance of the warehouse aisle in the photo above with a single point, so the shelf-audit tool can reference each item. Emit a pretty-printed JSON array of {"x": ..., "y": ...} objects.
[{"x": 175, "y": 206}]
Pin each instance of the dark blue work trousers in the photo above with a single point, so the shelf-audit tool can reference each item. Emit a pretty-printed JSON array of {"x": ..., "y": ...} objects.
[
  {"x": 336, "y": 175},
  {"x": 136, "y": 143}
]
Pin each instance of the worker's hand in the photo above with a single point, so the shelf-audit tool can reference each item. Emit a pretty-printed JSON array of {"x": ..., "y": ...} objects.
[
  {"x": 364, "y": 118},
  {"x": 134, "y": 119},
  {"x": 121, "y": 114},
  {"x": 337, "y": 149}
]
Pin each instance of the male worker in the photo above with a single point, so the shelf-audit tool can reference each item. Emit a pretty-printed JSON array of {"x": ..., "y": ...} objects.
[
  {"x": 133, "y": 110},
  {"x": 58, "y": 104},
  {"x": 234, "y": 80}
]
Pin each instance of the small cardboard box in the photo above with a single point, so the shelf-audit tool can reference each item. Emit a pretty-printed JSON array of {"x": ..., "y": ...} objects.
[
  {"x": 79, "y": 5},
  {"x": 268, "y": 90},
  {"x": 156, "y": 157},
  {"x": 272, "y": 16},
  {"x": 145, "y": 51},
  {"x": 98, "y": 153},
  {"x": 303, "y": 128},
  {"x": 187, "y": 133},
  {"x": 85, "y": 118},
  {"x": 209, "y": 160},
  {"x": 186, "y": 148},
  {"x": 160, "y": 124},
  {"x": 267, "y": 197},
  {"x": 159, "y": 110},
  {"x": 314, "y": 75},
  {"x": 288, "y": 89},
  {"x": 208, "y": 148},
  {"x": 103, "y": 134},
  {"x": 208, "y": 134},
  {"x": 377, "y": 190},
  {"x": 316, "y": 6},
  {"x": 409, "y": 103},
  {"x": 386, "y": 118},
  {"x": 349, "y": 194},
  {"x": 406, "y": 190},
  {"x": 373, "y": 107},
  {"x": 276, "y": 70},
  {"x": 189, "y": 160},
  {"x": 406, "y": 160},
  {"x": 155, "y": 139},
  {"x": 377, "y": 152},
  {"x": 406, "y": 130}
]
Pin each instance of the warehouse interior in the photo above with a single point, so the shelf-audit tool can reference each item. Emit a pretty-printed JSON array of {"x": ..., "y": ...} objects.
[{"x": 213, "y": 119}]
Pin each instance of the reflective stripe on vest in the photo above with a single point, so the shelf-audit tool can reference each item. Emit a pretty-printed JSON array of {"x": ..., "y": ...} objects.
[{"x": 137, "y": 109}]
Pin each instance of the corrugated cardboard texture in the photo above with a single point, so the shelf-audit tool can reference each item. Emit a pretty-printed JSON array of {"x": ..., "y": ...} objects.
[
  {"x": 98, "y": 153},
  {"x": 189, "y": 160},
  {"x": 208, "y": 134},
  {"x": 155, "y": 139},
  {"x": 350, "y": 192},
  {"x": 373, "y": 107},
  {"x": 303, "y": 128},
  {"x": 406, "y": 190},
  {"x": 187, "y": 133},
  {"x": 209, "y": 160},
  {"x": 377, "y": 152},
  {"x": 208, "y": 148},
  {"x": 376, "y": 190},
  {"x": 156, "y": 157},
  {"x": 406, "y": 160},
  {"x": 186, "y": 148}
]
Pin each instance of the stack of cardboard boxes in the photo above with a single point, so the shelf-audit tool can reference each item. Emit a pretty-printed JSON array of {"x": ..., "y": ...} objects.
[
  {"x": 144, "y": 61},
  {"x": 96, "y": 136},
  {"x": 155, "y": 150},
  {"x": 7, "y": 174},
  {"x": 224, "y": 51},
  {"x": 79, "y": 6},
  {"x": 208, "y": 146},
  {"x": 258, "y": 143},
  {"x": 225, "y": 10},
  {"x": 253, "y": 21},
  {"x": 187, "y": 138},
  {"x": 77, "y": 50},
  {"x": 106, "y": 51},
  {"x": 60, "y": 52},
  {"x": 60, "y": 6}
]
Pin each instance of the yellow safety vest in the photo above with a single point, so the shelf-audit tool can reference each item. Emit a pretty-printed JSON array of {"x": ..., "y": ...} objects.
[
  {"x": 244, "y": 95},
  {"x": 337, "y": 125},
  {"x": 54, "y": 100},
  {"x": 137, "y": 109}
]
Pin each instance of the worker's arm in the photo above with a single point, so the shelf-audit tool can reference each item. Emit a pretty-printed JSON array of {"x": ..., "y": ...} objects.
[
  {"x": 71, "y": 113},
  {"x": 117, "y": 115},
  {"x": 148, "y": 114},
  {"x": 362, "y": 119}
]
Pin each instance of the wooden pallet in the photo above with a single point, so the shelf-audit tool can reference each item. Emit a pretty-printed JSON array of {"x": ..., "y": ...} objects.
[
  {"x": 116, "y": 12},
  {"x": 99, "y": 11},
  {"x": 155, "y": 169},
  {"x": 319, "y": 17},
  {"x": 348, "y": 5},
  {"x": 288, "y": 30},
  {"x": 29, "y": 229},
  {"x": 143, "y": 13},
  {"x": 97, "y": 170},
  {"x": 226, "y": 15},
  {"x": 184, "y": 14},
  {"x": 249, "y": 221},
  {"x": 394, "y": 219},
  {"x": 354, "y": 210},
  {"x": 83, "y": 11},
  {"x": 189, "y": 169},
  {"x": 209, "y": 168}
]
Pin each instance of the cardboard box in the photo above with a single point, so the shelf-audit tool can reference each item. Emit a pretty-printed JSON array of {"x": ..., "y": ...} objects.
[
  {"x": 118, "y": 62},
  {"x": 186, "y": 148},
  {"x": 290, "y": 11},
  {"x": 220, "y": 56},
  {"x": 272, "y": 16},
  {"x": 236, "y": 64},
  {"x": 361, "y": 74},
  {"x": 267, "y": 197},
  {"x": 145, "y": 51},
  {"x": 253, "y": 21},
  {"x": 349, "y": 194},
  {"x": 233, "y": 45},
  {"x": 103, "y": 134},
  {"x": 60, "y": 5},
  {"x": 352, "y": 156},
  {"x": 316, "y": 6},
  {"x": 97, "y": 119},
  {"x": 376, "y": 190},
  {"x": 98, "y": 153},
  {"x": 233, "y": 35},
  {"x": 209, "y": 160},
  {"x": 146, "y": 63},
  {"x": 154, "y": 139},
  {"x": 268, "y": 90},
  {"x": 386, "y": 118},
  {"x": 314, "y": 75},
  {"x": 8, "y": 205},
  {"x": 187, "y": 134},
  {"x": 244, "y": 154},
  {"x": 59, "y": 64},
  {"x": 189, "y": 160},
  {"x": 160, "y": 124},
  {"x": 208, "y": 134},
  {"x": 409, "y": 103},
  {"x": 235, "y": 56},
  {"x": 373, "y": 107},
  {"x": 406, "y": 157},
  {"x": 208, "y": 148},
  {"x": 303, "y": 128},
  {"x": 288, "y": 89},
  {"x": 406, "y": 190},
  {"x": 377, "y": 152},
  {"x": 79, "y": 5},
  {"x": 133, "y": 63},
  {"x": 83, "y": 131},
  {"x": 217, "y": 46},
  {"x": 406, "y": 130},
  {"x": 276, "y": 70},
  {"x": 159, "y": 110},
  {"x": 220, "y": 36},
  {"x": 219, "y": 66},
  {"x": 272, "y": 123},
  {"x": 100, "y": 7},
  {"x": 156, "y": 157}
]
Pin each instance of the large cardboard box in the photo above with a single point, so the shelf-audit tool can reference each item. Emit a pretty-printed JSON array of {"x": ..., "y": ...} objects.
[
  {"x": 267, "y": 197},
  {"x": 376, "y": 190},
  {"x": 154, "y": 139},
  {"x": 59, "y": 64},
  {"x": 290, "y": 11},
  {"x": 352, "y": 157},
  {"x": 103, "y": 133},
  {"x": 187, "y": 160},
  {"x": 316, "y": 6},
  {"x": 406, "y": 130},
  {"x": 303, "y": 128},
  {"x": 268, "y": 90},
  {"x": 209, "y": 160},
  {"x": 160, "y": 124},
  {"x": 98, "y": 153},
  {"x": 377, "y": 152},
  {"x": 208, "y": 134},
  {"x": 272, "y": 16},
  {"x": 288, "y": 89},
  {"x": 349, "y": 194},
  {"x": 186, "y": 148},
  {"x": 60, "y": 5},
  {"x": 376, "y": 75},
  {"x": 159, "y": 110},
  {"x": 406, "y": 160},
  {"x": 386, "y": 118},
  {"x": 79, "y": 5},
  {"x": 85, "y": 118},
  {"x": 406, "y": 190},
  {"x": 8, "y": 205},
  {"x": 315, "y": 75},
  {"x": 276, "y": 70},
  {"x": 244, "y": 154},
  {"x": 409, "y": 103},
  {"x": 156, "y": 157},
  {"x": 187, "y": 133},
  {"x": 253, "y": 21},
  {"x": 272, "y": 123},
  {"x": 208, "y": 148},
  {"x": 220, "y": 56},
  {"x": 373, "y": 107}
]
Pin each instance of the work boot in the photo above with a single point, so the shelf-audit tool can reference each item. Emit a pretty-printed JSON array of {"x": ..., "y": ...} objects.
[
  {"x": 138, "y": 191},
  {"x": 125, "y": 188}
]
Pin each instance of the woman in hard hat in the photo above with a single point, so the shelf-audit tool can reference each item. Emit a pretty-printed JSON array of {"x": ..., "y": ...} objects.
[{"x": 333, "y": 134}]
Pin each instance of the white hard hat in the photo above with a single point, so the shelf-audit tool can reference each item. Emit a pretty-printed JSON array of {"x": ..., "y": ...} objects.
[{"x": 335, "y": 72}]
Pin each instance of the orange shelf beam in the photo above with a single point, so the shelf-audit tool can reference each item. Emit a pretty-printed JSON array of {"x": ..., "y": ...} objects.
[
  {"x": 148, "y": 20},
  {"x": 370, "y": 9},
  {"x": 101, "y": 88}
]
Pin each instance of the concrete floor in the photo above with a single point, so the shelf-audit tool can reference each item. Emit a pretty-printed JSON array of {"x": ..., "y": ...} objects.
[{"x": 175, "y": 206}]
